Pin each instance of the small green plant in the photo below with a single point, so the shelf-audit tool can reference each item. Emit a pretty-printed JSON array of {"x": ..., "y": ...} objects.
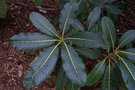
[
  {"x": 63, "y": 42},
  {"x": 117, "y": 68},
  {"x": 3, "y": 8}
]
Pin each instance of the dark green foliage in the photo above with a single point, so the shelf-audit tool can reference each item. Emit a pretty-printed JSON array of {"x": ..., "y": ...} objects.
[
  {"x": 116, "y": 58},
  {"x": 116, "y": 70},
  {"x": 57, "y": 43}
]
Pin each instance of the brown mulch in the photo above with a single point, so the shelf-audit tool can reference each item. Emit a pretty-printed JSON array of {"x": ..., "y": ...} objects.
[{"x": 13, "y": 63}]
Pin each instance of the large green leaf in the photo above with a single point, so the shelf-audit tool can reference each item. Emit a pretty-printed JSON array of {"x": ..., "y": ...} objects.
[
  {"x": 61, "y": 79},
  {"x": 130, "y": 53},
  {"x": 113, "y": 9},
  {"x": 90, "y": 53},
  {"x": 38, "y": 2},
  {"x": 71, "y": 86},
  {"x": 109, "y": 34},
  {"x": 86, "y": 39},
  {"x": 127, "y": 38},
  {"x": 128, "y": 73},
  {"x": 3, "y": 8},
  {"x": 93, "y": 17},
  {"x": 41, "y": 67},
  {"x": 96, "y": 73},
  {"x": 77, "y": 25},
  {"x": 73, "y": 65},
  {"x": 67, "y": 16},
  {"x": 28, "y": 41},
  {"x": 109, "y": 80},
  {"x": 43, "y": 24}
]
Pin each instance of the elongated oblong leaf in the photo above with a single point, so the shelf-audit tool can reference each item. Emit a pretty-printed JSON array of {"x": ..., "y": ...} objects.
[
  {"x": 113, "y": 9},
  {"x": 41, "y": 67},
  {"x": 73, "y": 65},
  {"x": 109, "y": 34},
  {"x": 127, "y": 38},
  {"x": 3, "y": 8},
  {"x": 67, "y": 15},
  {"x": 77, "y": 25},
  {"x": 86, "y": 39},
  {"x": 30, "y": 41},
  {"x": 90, "y": 53},
  {"x": 128, "y": 73},
  {"x": 71, "y": 86},
  {"x": 42, "y": 23},
  {"x": 109, "y": 80},
  {"x": 38, "y": 2},
  {"x": 129, "y": 53},
  {"x": 96, "y": 73},
  {"x": 61, "y": 79},
  {"x": 93, "y": 17}
]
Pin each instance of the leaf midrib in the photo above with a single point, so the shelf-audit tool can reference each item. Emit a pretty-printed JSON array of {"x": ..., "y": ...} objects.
[
  {"x": 67, "y": 20},
  {"x": 108, "y": 29},
  {"x": 98, "y": 70},
  {"x": 38, "y": 41},
  {"x": 71, "y": 60},
  {"x": 47, "y": 27},
  {"x": 127, "y": 67},
  {"x": 91, "y": 21},
  {"x": 45, "y": 60},
  {"x": 83, "y": 39}
]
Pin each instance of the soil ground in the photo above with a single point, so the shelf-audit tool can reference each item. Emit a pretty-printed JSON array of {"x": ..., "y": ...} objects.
[{"x": 13, "y": 63}]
